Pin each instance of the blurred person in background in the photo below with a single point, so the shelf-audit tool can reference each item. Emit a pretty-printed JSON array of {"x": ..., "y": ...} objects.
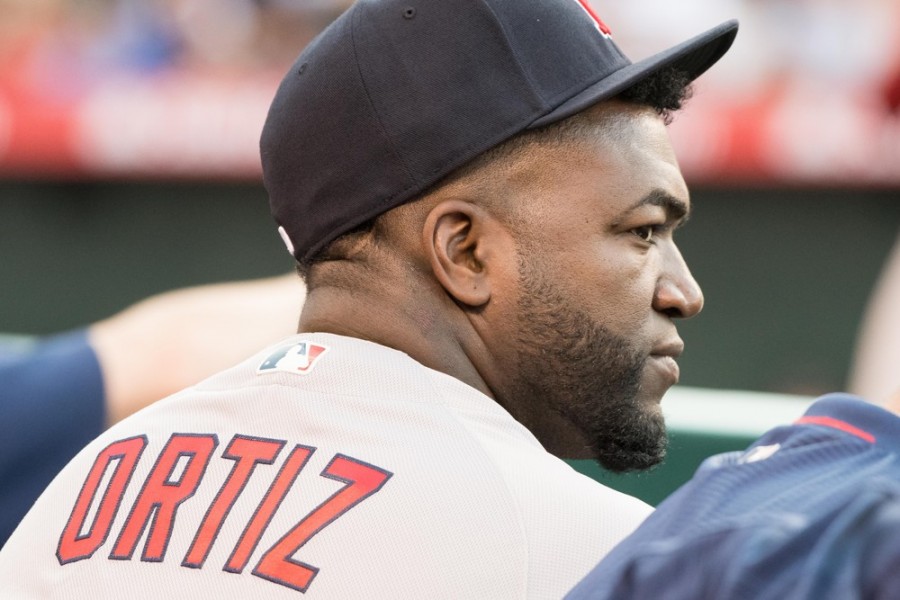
[
  {"x": 810, "y": 511},
  {"x": 69, "y": 45},
  {"x": 57, "y": 393},
  {"x": 875, "y": 373}
]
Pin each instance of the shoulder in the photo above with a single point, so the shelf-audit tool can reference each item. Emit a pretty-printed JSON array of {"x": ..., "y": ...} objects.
[
  {"x": 853, "y": 417},
  {"x": 848, "y": 550},
  {"x": 825, "y": 484},
  {"x": 63, "y": 364},
  {"x": 240, "y": 471}
]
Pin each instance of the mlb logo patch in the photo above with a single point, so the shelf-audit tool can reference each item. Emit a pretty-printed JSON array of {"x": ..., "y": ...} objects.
[{"x": 297, "y": 358}]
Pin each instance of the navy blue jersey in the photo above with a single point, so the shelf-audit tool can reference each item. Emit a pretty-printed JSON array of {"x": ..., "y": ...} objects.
[
  {"x": 51, "y": 405},
  {"x": 809, "y": 511}
]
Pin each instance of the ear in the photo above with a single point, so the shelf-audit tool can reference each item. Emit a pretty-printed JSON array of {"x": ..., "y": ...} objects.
[{"x": 460, "y": 240}]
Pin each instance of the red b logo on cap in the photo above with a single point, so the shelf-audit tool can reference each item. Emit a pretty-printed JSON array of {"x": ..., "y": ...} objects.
[{"x": 601, "y": 26}]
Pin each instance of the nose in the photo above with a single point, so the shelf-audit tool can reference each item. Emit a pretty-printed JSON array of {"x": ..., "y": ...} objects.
[{"x": 677, "y": 294}]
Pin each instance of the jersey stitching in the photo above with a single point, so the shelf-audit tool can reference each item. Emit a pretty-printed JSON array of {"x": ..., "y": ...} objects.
[{"x": 499, "y": 474}]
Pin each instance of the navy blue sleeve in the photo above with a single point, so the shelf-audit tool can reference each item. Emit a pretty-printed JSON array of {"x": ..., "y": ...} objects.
[
  {"x": 847, "y": 553},
  {"x": 810, "y": 511},
  {"x": 51, "y": 405}
]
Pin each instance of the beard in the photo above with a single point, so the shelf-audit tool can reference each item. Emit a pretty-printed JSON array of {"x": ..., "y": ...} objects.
[{"x": 588, "y": 375}]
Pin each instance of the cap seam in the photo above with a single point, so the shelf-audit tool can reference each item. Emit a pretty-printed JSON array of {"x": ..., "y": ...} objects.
[
  {"x": 555, "y": 101},
  {"x": 515, "y": 53},
  {"x": 381, "y": 126}
]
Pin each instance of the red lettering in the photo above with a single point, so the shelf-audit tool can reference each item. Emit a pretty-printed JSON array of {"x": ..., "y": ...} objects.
[
  {"x": 292, "y": 466},
  {"x": 72, "y": 545},
  {"x": 175, "y": 477},
  {"x": 247, "y": 452},
  {"x": 362, "y": 480},
  {"x": 160, "y": 497}
]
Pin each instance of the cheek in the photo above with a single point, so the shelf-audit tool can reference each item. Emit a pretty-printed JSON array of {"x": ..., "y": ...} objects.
[
  {"x": 502, "y": 312},
  {"x": 622, "y": 293}
]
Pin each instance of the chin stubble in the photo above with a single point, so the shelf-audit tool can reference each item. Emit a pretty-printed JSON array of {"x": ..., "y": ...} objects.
[{"x": 588, "y": 375}]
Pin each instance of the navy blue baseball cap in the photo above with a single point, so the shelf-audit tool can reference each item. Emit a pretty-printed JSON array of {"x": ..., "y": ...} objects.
[{"x": 396, "y": 94}]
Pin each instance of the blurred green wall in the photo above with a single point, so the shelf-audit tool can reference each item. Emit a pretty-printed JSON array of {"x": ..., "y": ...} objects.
[
  {"x": 786, "y": 273},
  {"x": 75, "y": 252}
]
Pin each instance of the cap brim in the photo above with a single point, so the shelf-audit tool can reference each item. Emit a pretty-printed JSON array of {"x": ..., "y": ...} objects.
[{"x": 694, "y": 57}]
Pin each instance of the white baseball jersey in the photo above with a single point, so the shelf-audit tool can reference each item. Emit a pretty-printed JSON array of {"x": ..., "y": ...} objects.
[{"x": 324, "y": 467}]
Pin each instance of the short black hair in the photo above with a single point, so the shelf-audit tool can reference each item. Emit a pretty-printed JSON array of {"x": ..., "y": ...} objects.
[
  {"x": 665, "y": 91},
  {"x": 335, "y": 250}
]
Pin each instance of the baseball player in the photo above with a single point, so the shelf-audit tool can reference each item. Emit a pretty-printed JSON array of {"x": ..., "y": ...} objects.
[
  {"x": 481, "y": 197},
  {"x": 811, "y": 511}
]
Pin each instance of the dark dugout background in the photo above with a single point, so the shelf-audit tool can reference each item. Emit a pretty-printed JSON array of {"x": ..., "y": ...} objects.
[{"x": 786, "y": 272}]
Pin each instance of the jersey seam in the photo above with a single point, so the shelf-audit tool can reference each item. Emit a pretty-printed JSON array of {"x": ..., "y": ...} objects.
[{"x": 512, "y": 497}]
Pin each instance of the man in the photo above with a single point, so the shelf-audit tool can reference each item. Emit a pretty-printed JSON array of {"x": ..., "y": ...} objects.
[
  {"x": 481, "y": 197},
  {"x": 873, "y": 372}
]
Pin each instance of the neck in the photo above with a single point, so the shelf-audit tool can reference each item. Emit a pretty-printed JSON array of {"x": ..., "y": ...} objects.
[{"x": 429, "y": 330}]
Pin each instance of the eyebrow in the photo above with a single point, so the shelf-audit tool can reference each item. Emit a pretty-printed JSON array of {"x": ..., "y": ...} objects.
[{"x": 676, "y": 209}]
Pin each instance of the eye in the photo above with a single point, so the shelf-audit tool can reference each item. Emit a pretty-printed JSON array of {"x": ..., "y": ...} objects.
[{"x": 646, "y": 233}]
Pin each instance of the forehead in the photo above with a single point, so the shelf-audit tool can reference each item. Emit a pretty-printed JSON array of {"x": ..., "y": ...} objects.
[{"x": 618, "y": 155}]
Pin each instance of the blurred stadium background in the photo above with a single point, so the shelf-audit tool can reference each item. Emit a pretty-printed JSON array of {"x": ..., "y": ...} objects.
[{"x": 129, "y": 166}]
